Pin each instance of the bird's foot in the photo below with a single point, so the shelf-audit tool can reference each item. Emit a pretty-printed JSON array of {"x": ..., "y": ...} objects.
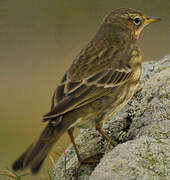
[{"x": 91, "y": 160}]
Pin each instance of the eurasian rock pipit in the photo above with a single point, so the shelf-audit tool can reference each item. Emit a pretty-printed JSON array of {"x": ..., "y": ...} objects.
[{"x": 101, "y": 80}]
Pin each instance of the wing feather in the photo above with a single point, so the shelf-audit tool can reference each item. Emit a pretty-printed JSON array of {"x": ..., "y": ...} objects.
[{"x": 72, "y": 95}]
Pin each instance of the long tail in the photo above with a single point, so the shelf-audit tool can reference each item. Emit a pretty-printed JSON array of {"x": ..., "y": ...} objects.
[{"x": 36, "y": 153}]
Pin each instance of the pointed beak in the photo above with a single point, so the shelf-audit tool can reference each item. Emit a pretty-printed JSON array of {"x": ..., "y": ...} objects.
[{"x": 152, "y": 19}]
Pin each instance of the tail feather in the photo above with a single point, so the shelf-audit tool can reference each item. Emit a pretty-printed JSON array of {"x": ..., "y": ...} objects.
[
  {"x": 36, "y": 167},
  {"x": 18, "y": 164},
  {"x": 36, "y": 153}
]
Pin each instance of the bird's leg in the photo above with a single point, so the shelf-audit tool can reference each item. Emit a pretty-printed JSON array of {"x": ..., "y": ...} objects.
[
  {"x": 105, "y": 136},
  {"x": 70, "y": 133},
  {"x": 108, "y": 146},
  {"x": 81, "y": 161}
]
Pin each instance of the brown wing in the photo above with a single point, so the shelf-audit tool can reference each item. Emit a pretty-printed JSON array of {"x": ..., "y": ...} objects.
[{"x": 72, "y": 95}]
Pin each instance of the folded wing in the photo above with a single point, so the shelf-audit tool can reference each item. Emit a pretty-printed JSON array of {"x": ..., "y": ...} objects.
[{"x": 72, "y": 95}]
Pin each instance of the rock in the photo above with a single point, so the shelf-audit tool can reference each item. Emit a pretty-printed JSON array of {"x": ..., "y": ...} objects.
[{"x": 141, "y": 129}]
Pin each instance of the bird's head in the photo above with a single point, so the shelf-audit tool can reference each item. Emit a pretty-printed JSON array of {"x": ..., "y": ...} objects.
[{"x": 127, "y": 20}]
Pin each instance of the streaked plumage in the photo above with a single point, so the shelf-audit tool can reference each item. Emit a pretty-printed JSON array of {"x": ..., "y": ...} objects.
[{"x": 100, "y": 81}]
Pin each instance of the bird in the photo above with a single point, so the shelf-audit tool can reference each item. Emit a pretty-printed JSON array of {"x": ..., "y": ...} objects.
[{"x": 102, "y": 78}]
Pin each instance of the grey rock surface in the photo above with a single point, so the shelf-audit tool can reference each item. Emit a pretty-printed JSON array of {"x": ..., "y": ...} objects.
[{"x": 141, "y": 129}]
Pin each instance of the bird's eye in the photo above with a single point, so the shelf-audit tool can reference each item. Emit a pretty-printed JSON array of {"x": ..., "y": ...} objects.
[{"x": 137, "y": 21}]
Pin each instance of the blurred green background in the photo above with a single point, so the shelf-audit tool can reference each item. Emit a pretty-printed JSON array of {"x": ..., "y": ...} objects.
[{"x": 38, "y": 41}]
